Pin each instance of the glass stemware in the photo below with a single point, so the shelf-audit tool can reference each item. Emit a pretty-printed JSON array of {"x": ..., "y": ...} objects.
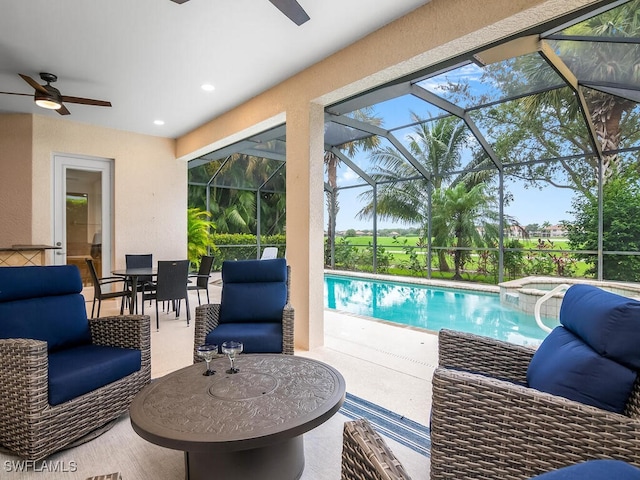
[
  {"x": 232, "y": 349},
  {"x": 207, "y": 352}
]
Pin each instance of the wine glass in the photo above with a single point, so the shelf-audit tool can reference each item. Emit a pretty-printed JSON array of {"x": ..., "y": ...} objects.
[
  {"x": 232, "y": 349},
  {"x": 207, "y": 352}
]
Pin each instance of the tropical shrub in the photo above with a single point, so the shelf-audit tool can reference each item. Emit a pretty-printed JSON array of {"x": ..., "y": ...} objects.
[{"x": 199, "y": 234}]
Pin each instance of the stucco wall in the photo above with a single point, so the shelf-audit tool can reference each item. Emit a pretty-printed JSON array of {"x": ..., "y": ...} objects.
[
  {"x": 15, "y": 179},
  {"x": 150, "y": 185}
]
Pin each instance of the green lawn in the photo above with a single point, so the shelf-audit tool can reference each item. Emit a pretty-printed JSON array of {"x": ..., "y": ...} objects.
[
  {"x": 400, "y": 256},
  {"x": 366, "y": 240}
]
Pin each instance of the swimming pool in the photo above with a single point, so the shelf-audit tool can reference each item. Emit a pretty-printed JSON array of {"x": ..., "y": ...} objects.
[{"x": 432, "y": 308}]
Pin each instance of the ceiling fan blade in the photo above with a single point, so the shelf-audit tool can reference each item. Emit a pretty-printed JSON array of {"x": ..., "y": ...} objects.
[
  {"x": 63, "y": 110},
  {"x": 34, "y": 84},
  {"x": 13, "y": 93},
  {"x": 292, "y": 9},
  {"x": 180, "y": 1},
  {"x": 86, "y": 101}
]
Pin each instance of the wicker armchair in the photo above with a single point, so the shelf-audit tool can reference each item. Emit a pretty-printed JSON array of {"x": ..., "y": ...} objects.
[
  {"x": 31, "y": 426},
  {"x": 209, "y": 317},
  {"x": 366, "y": 456},
  {"x": 486, "y": 423}
]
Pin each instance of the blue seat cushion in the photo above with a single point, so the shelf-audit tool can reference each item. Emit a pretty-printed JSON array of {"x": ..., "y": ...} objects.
[
  {"x": 594, "y": 470},
  {"x": 76, "y": 371},
  {"x": 257, "y": 337},
  {"x": 253, "y": 291},
  {"x": 43, "y": 303},
  {"x": 608, "y": 323},
  {"x": 564, "y": 365}
]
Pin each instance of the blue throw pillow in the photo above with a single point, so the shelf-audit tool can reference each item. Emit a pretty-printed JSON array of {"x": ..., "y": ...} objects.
[
  {"x": 609, "y": 323},
  {"x": 564, "y": 365}
]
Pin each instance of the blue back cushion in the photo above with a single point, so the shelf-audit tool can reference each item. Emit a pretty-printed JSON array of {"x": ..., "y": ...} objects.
[
  {"x": 590, "y": 358},
  {"x": 253, "y": 290},
  {"x": 609, "y": 323},
  {"x": 43, "y": 303}
]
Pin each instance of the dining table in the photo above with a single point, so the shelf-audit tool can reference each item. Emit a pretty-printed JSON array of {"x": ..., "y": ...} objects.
[{"x": 133, "y": 274}]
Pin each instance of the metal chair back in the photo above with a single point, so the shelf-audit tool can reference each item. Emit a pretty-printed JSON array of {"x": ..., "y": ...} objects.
[{"x": 171, "y": 285}]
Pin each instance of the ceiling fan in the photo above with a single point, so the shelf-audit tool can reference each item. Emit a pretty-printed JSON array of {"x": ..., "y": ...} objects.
[
  {"x": 291, "y": 8},
  {"x": 47, "y": 96}
]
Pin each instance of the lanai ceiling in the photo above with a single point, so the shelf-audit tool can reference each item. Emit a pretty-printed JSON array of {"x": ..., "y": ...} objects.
[{"x": 149, "y": 58}]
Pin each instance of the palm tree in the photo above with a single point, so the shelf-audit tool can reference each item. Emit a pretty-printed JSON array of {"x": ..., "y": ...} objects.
[
  {"x": 234, "y": 211},
  {"x": 463, "y": 214},
  {"x": 437, "y": 146},
  {"x": 332, "y": 161},
  {"x": 601, "y": 61},
  {"x": 232, "y": 200}
]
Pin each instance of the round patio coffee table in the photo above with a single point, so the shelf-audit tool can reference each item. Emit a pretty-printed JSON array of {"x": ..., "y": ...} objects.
[{"x": 248, "y": 425}]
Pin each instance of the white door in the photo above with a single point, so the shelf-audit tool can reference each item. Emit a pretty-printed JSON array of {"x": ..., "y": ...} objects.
[{"x": 82, "y": 218}]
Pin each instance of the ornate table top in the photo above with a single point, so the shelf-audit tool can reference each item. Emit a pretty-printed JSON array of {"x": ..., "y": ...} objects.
[{"x": 273, "y": 397}]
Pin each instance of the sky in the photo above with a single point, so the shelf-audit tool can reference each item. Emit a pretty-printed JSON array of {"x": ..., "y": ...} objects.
[{"x": 529, "y": 205}]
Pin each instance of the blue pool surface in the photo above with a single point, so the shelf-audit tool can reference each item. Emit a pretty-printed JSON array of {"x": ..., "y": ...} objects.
[{"x": 432, "y": 308}]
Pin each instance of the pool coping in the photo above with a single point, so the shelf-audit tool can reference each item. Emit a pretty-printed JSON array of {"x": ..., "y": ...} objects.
[{"x": 417, "y": 280}]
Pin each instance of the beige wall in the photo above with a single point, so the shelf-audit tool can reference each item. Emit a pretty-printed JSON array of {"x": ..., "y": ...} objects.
[
  {"x": 439, "y": 30},
  {"x": 150, "y": 185},
  {"x": 15, "y": 176}
]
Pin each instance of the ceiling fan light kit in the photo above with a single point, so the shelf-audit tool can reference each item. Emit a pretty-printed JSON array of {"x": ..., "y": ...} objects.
[
  {"x": 50, "y": 101},
  {"x": 45, "y": 101},
  {"x": 49, "y": 97}
]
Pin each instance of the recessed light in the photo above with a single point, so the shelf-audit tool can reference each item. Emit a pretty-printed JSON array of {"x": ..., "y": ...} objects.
[
  {"x": 207, "y": 87},
  {"x": 158, "y": 122}
]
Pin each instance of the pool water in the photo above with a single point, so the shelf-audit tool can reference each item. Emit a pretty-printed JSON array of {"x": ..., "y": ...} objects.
[{"x": 432, "y": 308}]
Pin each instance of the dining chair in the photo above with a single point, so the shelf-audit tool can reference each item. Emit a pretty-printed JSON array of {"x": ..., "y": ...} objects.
[
  {"x": 145, "y": 282},
  {"x": 202, "y": 277},
  {"x": 171, "y": 285},
  {"x": 99, "y": 283}
]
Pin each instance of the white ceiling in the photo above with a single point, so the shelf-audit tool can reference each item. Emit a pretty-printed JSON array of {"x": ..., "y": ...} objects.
[{"x": 150, "y": 57}]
